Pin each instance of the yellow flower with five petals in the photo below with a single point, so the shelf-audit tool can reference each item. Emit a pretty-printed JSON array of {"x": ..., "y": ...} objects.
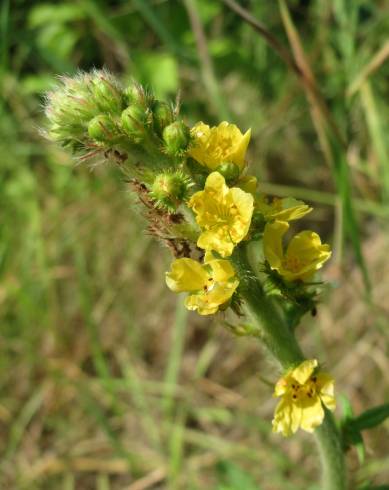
[
  {"x": 304, "y": 392},
  {"x": 210, "y": 284},
  {"x": 220, "y": 144},
  {"x": 223, "y": 214},
  {"x": 304, "y": 255}
]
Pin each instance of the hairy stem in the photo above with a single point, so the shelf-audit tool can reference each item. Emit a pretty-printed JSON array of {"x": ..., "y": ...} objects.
[
  {"x": 331, "y": 453},
  {"x": 281, "y": 342}
]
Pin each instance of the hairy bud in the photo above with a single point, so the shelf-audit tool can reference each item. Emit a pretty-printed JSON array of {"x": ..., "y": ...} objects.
[
  {"x": 135, "y": 121},
  {"x": 162, "y": 115},
  {"x": 101, "y": 128},
  {"x": 76, "y": 101},
  {"x": 170, "y": 189},
  {"x": 135, "y": 94},
  {"x": 176, "y": 137},
  {"x": 230, "y": 172},
  {"x": 106, "y": 93}
]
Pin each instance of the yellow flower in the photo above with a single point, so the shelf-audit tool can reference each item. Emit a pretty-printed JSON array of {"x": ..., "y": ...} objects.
[
  {"x": 223, "y": 214},
  {"x": 304, "y": 255},
  {"x": 303, "y": 393},
  {"x": 286, "y": 209},
  {"x": 220, "y": 144},
  {"x": 211, "y": 284}
]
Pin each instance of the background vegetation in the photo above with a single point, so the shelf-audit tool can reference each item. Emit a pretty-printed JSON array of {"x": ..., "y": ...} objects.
[{"x": 106, "y": 383}]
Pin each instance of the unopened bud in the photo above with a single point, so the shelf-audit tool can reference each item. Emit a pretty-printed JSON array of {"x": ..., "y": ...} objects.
[
  {"x": 170, "y": 189},
  {"x": 135, "y": 121},
  {"x": 230, "y": 172},
  {"x": 106, "y": 93},
  {"x": 102, "y": 128},
  {"x": 162, "y": 115},
  {"x": 136, "y": 94},
  {"x": 176, "y": 137}
]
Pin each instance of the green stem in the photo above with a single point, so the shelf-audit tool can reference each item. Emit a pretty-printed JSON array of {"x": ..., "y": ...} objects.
[
  {"x": 331, "y": 453},
  {"x": 281, "y": 342}
]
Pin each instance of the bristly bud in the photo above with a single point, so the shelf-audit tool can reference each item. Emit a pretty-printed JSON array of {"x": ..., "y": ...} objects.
[
  {"x": 102, "y": 129},
  {"x": 107, "y": 93},
  {"x": 136, "y": 120},
  {"x": 230, "y": 172},
  {"x": 176, "y": 137},
  {"x": 162, "y": 115},
  {"x": 76, "y": 101},
  {"x": 170, "y": 189},
  {"x": 136, "y": 94}
]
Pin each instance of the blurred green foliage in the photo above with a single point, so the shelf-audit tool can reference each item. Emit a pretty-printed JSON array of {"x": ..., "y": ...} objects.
[{"x": 103, "y": 382}]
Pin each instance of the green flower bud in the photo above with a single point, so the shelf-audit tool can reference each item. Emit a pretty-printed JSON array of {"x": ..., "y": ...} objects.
[
  {"x": 230, "y": 172},
  {"x": 162, "y": 115},
  {"x": 135, "y": 121},
  {"x": 76, "y": 101},
  {"x": 102, "y": 128},
  {"x": 106, "y": 93},
  {"x": 170, "y": 189},
  {"x": 136, "y": 94},
  {"x": 176, "y": 137}
]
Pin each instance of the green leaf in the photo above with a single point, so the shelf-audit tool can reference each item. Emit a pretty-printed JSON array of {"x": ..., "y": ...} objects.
[{"x": 371, "y": 418}]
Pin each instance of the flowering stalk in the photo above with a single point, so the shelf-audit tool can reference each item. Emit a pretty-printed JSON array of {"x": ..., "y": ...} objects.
[
  {"x": 200, "y": 202},
  {"x": 281, "y": 342}
]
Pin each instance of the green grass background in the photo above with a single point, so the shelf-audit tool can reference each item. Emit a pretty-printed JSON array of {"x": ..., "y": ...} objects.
[{"x": 106, "y": 382}]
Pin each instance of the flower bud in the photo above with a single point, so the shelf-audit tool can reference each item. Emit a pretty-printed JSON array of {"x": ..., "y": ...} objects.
[
  {"x": 176, "y": 137},
  {"x": 135, "y": 94},
  {"x": 170, "y": 189},
  {"x": 76, "y": 101},
  {"x": 135, "y": 121},
  {"x": 162, "y": 116},
  {"x": 101, "y": 128},
  {"x": 106, "y": 93},
  {"x": 230, "y": 172}
]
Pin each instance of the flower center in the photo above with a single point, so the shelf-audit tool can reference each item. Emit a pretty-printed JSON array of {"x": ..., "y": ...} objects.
[
  {"x": 209, "y": 286},
  {"x": 292, "y": 264},
  {"x": 307, "y": 390}
]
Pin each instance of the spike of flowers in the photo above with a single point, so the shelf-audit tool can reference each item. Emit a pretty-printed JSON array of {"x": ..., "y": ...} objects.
[{"x": 198, "y": 197}]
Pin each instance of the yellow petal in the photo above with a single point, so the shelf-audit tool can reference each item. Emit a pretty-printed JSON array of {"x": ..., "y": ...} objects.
[
  {"x": 272, "y": 242},
  {"x": 325, "y": 386},
  {"x": 221, "y": 243},
  {"x": 281, "y": 386},
  {"x": 207, "y": 303},
  {"x": 289, "y": 209},
  {"x": 287, "y": 417},
  {"x": 304, "y": 371},
  {"x": 186, "y": 275},
  {"x": 312, "y": 414},
  {"x": 222, "y": 270},
  {"x": 308, "y": 249},
  {"x": 239, "y": 152},
  {"x": 244, "y": 202},
  {"x": 196, "y": 302},
  {"x": 215, "y": 182},
  {"x": 221, "y": 293},
  {"x": 248, "y": 183}
]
